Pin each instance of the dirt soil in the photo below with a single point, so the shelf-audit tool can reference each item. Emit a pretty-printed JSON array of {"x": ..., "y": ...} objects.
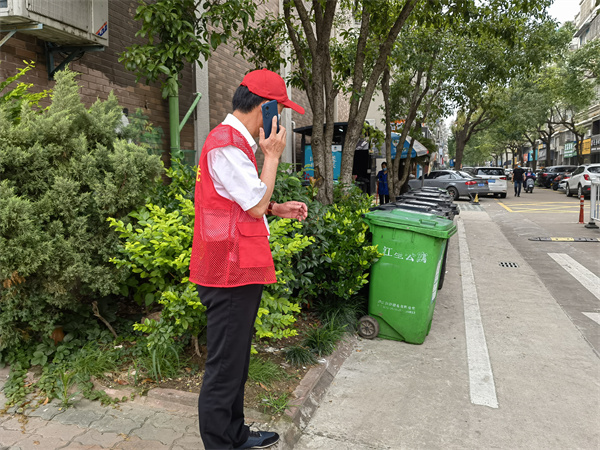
[{"x": 190, "y": 380}]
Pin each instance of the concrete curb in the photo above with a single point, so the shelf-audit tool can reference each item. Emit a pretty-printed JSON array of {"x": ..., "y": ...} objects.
[{"x": 310, "y": 392}]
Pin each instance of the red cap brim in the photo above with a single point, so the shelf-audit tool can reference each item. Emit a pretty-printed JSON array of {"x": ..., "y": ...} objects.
[{"x": 296, "y": 107}]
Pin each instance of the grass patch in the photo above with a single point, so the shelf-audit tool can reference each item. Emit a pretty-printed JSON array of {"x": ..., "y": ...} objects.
[
  {"x": 93, "y": 361},
  {"x": 264, "y": 371},
  {"x": 344, "y": 314},
  {"x": 323, "y": 340},
  {"x": 298, "y": 355},
  {"x": 275, "y": 404}
]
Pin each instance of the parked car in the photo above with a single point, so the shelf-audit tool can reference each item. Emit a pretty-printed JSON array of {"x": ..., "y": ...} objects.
[
  {"x": 581, "y": 179},
  {"x": 495, "y": 176},
  {"x": 562, "y": 184},
  {"x": 559, "y": 178},
  {"x": 457, "y": 183},
  {"x": 549, "y": 173}
]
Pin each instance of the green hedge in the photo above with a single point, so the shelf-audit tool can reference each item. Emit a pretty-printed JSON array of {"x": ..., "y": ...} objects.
[{"x": 63, "y": 171}]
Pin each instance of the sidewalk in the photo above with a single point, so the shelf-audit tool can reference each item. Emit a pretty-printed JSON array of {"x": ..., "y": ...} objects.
[
  {"x": 542, "y": 390},
  {"x": 164, "y": 419},
  {"x": 380, "y": 394}
]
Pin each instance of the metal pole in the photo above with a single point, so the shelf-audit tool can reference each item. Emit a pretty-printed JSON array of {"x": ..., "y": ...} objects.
[
  {"x": 174, "y": 122},
  {"x": 594, "y": 205},
  {"x": 189, "y": 113}
]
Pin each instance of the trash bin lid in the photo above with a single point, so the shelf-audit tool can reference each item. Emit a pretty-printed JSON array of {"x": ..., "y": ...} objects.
[{"x": 419, "y": 222}]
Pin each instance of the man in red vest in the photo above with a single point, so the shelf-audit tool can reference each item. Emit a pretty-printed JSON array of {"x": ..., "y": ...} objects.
[{"x": 231, "y": 258}]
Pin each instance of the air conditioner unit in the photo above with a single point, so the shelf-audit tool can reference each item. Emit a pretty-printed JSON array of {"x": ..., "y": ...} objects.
[{"x": 62, "y": 22}]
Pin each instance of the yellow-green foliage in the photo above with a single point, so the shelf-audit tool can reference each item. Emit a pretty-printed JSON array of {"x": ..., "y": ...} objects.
[{"x": 275, "y": 315}]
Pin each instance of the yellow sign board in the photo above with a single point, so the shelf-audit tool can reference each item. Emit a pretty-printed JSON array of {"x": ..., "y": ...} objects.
[{"x": 587, "y": 147}]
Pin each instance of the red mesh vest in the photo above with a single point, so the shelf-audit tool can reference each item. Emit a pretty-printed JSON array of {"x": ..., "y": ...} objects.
[{"x": 230, "y": 247}]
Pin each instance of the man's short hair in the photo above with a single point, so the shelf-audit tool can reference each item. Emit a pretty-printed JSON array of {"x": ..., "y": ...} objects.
[{"x": 245, "y": 101}]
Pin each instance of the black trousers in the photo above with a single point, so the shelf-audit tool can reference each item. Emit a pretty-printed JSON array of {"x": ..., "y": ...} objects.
[
  {"x": 384, "y": 198},
  {"x": 230, "y": 314}
]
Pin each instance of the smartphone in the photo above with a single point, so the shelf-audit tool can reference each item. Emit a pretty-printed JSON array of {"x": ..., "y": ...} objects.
[{"x": 269, "y": 110}]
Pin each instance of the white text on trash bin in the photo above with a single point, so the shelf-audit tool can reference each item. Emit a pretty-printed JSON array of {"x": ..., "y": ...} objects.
[{"x": 420, "y": 257}]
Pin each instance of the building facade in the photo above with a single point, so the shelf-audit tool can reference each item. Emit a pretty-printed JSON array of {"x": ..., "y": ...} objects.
[{"x": 100, "y": 72}]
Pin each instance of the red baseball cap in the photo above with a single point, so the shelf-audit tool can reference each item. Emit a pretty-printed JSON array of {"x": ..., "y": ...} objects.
[{"x": 269, "y": 85}]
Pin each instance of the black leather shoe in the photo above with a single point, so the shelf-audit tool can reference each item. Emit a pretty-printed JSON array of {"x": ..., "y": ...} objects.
[{"x": 260, "y": 439}]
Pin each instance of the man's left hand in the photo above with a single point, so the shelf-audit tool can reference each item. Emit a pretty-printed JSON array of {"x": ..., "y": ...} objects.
[{"x": 291, "y": 210}]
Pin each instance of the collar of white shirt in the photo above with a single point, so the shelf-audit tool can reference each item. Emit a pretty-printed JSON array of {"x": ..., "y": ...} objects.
[{"x": 234, "y": 122}]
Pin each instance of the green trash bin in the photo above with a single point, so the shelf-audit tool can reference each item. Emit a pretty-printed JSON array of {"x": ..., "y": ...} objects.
[{"x": 404, "y": 282}]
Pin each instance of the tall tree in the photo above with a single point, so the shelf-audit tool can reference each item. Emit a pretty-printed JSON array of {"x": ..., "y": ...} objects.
[
  {"x": 419, "y": 76},
  {"x": 180, "y": 32},
  {"x": 505, "y": 43}
]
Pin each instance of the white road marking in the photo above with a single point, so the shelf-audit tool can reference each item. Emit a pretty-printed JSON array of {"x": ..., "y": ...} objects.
[
  {"x": 594, "y": 316},
  {"x": 589, "y": 281},
  {"x": 481, "y": 379}
]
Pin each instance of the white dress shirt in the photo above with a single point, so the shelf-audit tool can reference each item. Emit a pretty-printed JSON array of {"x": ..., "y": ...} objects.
[{"x": 233, "y": 174}]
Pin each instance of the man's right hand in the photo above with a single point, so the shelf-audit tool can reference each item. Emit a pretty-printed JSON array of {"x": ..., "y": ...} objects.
[{"x": 273, "y": 146}]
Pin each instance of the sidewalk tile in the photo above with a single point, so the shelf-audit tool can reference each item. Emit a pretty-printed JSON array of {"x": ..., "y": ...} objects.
[
  {"x": 188, "y": 442},
  {"x": 9, "y": 437},
  {"x": 37, "y": 442},
  {"x": 135, "y": 443},
  {"x": 46, "y": 412},
  {"x": 59, "y": 430},
  {"x": 94, "y": 437},
  {"x": 134, "y": 412},
  {"x": 164, "y": 435},
  {"x": 75, "y": 446},
  {"x": 163, "y": 420},
  {"x": 80, "y": 417},
  {"x": 22, "y": 423},
  {"x": 111, "y": 423}
]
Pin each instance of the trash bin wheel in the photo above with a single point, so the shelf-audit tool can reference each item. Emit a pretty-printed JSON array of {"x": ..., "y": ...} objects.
[{"x": 368, "y": 327}]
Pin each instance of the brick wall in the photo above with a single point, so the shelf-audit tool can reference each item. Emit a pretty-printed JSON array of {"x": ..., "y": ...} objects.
[{"x": 101, "y": 72}]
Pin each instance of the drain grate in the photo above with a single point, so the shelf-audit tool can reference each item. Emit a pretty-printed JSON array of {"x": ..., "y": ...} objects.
[{"x": 508, "y": 264}]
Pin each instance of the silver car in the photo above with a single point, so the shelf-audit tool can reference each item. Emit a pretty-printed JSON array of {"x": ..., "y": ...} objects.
[
  {"x": 495, "y": 176},
  {"x": 457, "y": 183}
]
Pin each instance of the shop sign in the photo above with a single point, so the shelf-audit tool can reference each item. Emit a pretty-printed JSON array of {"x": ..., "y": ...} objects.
[
  {"x": 541, "y": 154},
  {"x": 595, "y": 147},
  {"x": 587, "y": 146},
  {"x": 570, "y": 150}
]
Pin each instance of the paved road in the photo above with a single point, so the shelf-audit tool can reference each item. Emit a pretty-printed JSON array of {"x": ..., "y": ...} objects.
[
  {"x": 548, "y": 213},
  {"x": 511, "y": 361}
]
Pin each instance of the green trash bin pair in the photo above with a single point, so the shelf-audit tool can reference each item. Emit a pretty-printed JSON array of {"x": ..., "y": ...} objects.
[{"x": 404, "y": 282}]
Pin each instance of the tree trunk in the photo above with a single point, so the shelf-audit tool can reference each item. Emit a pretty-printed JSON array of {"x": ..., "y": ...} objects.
[
  {"x": 361, "y": 97},
  {"x": 385, "y": 91},
  {"x": 461, "y": 142}
]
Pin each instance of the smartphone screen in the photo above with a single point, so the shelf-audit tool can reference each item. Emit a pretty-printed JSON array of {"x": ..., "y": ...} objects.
[{"x": 269, "y": 110}]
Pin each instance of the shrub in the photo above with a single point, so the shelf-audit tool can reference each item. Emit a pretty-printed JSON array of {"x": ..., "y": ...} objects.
[
  {"x": 156, "y": 250},
  {"x": 64, "y": 172},
  {"x": 336, "y": 266}
]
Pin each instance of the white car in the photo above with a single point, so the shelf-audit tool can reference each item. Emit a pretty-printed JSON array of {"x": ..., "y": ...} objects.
[
  {"x": 496, "y": 177},
  {"x": 581, "y": 180}
]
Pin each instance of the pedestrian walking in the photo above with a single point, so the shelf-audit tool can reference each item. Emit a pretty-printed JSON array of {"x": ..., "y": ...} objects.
[
  {"x": 231, "y": 259},
  {"x": 518, "y": 176},
  {"x": 382, "y": 184}
]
